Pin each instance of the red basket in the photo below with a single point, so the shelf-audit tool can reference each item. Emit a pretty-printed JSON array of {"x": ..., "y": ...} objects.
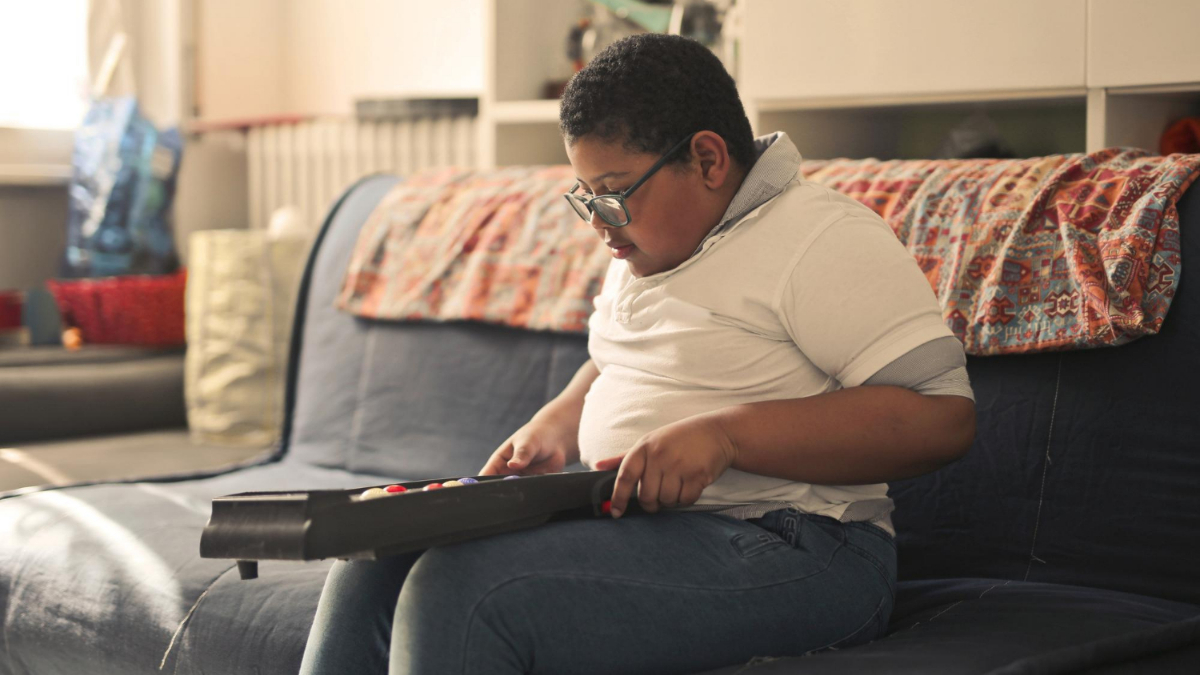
[
  {"x": 132, "y": 310},
  {"x": 10, "y": 309}
]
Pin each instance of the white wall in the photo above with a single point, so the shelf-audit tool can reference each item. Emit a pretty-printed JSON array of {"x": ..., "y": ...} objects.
[
  {"x": 339, "y": 50},
  {"x": 33, "y": 231},
  {"x": 33, "y": 219},
  {"x": 255, "y": 58},
  {"x": 271, "y": 57},
  {"x": 239, "y": 65},
  {"x": 158, "y": 60}
]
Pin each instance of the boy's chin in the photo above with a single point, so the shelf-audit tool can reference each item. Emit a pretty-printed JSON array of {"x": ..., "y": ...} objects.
[
  {"x": 637, "y": 268},
  {"x": 641, "y": 265}
]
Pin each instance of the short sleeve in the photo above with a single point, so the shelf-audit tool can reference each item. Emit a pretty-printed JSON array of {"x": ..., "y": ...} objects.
[{"x": 856, "y": 300}]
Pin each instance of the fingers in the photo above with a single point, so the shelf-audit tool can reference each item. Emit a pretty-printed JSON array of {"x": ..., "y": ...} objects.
[
  {"x": 637, "y": 476},
  {"x": 690, "y": 493},
  {"x": 627, "y": 479},
  {"x": 522, "y": 455},
  {"x": 498, "y": 463},
  {"x": 648, "y": 488},
  {"x": 669, "y": 491},
  {"x": 609, "y": 464}
]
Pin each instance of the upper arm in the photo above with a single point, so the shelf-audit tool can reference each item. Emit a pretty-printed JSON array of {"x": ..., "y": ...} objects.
[
  {"x": 856, "y": 300},
  {"x": 936, "y": 367}
]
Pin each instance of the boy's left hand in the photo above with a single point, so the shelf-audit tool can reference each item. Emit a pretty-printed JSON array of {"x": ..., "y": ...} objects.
[{"x": 673, "y": 465}]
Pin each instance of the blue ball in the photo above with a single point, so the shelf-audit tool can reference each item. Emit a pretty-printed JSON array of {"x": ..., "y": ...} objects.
[
  {"x": 511, "y": 477},
  {"x": 467, "y": 481}
]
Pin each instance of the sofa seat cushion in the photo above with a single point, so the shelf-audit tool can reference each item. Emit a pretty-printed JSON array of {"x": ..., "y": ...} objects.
[
  {"x": 107, "y": 579},
  {"x": 100, "y": 578},
  {"x": 965, "y": 626},
  {"x": 52, "y": 393},
  {"x": 410, "y": 399},
  {"x": 1084, "y": 467},
  {"x": 258, "y": 626}
]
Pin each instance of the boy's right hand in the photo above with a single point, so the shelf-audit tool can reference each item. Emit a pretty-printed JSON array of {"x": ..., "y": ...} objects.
[{"x": 543, "y": 445}]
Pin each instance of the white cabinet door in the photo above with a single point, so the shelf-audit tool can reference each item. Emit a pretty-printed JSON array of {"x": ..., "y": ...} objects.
[
  {"x": 1143, "y": 42},
  {"x": 812, "y": 49}
]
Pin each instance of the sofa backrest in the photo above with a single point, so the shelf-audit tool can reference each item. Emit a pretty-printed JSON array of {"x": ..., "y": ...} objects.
[
  {"x": 409, "y": 400},
  {"x": 1085, "y": 469}
]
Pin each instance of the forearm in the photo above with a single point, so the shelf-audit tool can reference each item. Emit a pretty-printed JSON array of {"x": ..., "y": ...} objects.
[
  {"x": 861, "y": 435},
  {"x": 571, "y": 398}
]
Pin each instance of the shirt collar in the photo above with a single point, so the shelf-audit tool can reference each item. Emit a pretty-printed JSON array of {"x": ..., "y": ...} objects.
[{"x": 777, "y": 163}]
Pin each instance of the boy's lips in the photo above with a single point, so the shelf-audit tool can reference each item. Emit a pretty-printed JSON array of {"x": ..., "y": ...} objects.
[{"x": 620, "y": 250}]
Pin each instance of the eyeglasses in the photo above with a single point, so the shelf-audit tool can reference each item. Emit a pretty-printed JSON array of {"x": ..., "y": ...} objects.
[{"x": 611, "y": 207}]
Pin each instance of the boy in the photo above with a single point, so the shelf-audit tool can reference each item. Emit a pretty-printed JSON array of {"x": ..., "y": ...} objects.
[{"x": 743, "y": 314}]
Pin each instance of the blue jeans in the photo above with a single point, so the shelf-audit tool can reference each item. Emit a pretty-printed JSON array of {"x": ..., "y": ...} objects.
[{"x": 675, "y": 592}]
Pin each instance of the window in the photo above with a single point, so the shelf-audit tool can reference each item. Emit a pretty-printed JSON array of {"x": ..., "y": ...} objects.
[{"x": 43, "y": 63}]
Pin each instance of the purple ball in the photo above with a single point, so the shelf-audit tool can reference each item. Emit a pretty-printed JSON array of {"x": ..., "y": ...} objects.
[
  {"x": 467, "y": 481},
  {"x": 511, "y": 477}
]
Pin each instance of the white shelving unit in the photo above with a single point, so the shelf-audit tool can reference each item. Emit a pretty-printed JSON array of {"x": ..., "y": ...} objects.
[
  {"x": 1137, "y": 116},
  {"x": 524, "y": 49},
  {"x": 1031, "y": 123},
  {"x": 1143, "y": 69},
  {"x": 876, "y": 78}
]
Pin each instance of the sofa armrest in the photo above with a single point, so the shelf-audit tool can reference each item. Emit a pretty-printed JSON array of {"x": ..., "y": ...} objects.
[{"x": 51, "y": 394}]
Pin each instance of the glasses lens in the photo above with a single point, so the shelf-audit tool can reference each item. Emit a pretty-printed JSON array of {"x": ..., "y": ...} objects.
[
  {"x": 611, "y": 210},
  {"x": 580, "y": 208}
]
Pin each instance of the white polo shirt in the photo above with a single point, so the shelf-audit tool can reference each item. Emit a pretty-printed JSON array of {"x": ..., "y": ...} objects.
[{"x": 808, "y": 292}]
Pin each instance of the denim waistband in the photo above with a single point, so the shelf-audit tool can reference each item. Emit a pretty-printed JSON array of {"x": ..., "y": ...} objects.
[
  {"x": 786, "y": 523},
  {"x": 870, "y": 541}
]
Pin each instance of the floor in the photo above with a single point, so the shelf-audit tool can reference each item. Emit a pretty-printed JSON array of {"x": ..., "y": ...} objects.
[{"x": 140, "y": 455}]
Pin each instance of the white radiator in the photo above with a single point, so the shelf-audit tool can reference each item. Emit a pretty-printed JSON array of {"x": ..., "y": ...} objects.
[{"x": 309, "y": 164}]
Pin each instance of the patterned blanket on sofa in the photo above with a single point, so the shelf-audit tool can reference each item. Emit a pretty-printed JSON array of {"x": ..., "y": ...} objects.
[
  {"x": 1059, "y": 252},
  {"x": 497, "y": 246}
]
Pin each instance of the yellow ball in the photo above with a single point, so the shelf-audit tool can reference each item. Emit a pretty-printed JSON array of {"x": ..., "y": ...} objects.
[
  {"x": 373, "y": 493},
  {"x": 452, "y": 483}
]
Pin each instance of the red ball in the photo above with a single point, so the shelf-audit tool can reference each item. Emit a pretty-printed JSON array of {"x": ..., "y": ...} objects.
[
  {"x": 434, "y": 486},
  {"x": 396, "y": 488}
]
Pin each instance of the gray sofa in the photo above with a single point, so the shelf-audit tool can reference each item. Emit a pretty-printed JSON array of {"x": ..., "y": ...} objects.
[
  {"x": 1064, "y": 542},
  {"x": 52, "y": 393}
]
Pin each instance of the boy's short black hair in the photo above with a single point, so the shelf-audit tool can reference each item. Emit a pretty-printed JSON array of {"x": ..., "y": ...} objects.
[{"x": 651, "y": 91}]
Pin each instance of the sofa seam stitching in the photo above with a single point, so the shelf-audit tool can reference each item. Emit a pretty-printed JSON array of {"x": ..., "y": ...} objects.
[
  {"x": 183, "y": 623},
  {"x": 356, "y": 422},
  {"x": 1037, "y": 520},
  {"x": 956, "y": 604}
]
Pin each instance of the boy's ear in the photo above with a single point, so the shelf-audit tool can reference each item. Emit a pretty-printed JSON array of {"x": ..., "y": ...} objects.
[{"x": 712, "y": 155}]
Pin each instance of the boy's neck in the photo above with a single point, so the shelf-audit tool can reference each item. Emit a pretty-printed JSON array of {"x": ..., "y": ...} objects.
[{"x": 730, "y": 189}]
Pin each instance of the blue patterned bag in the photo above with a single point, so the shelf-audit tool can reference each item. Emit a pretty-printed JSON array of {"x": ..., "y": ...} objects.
[{"x": 122, "y": 185}]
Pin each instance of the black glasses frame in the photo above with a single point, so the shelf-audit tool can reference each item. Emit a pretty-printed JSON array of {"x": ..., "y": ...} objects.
[{"x": 583, "y": 205}]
